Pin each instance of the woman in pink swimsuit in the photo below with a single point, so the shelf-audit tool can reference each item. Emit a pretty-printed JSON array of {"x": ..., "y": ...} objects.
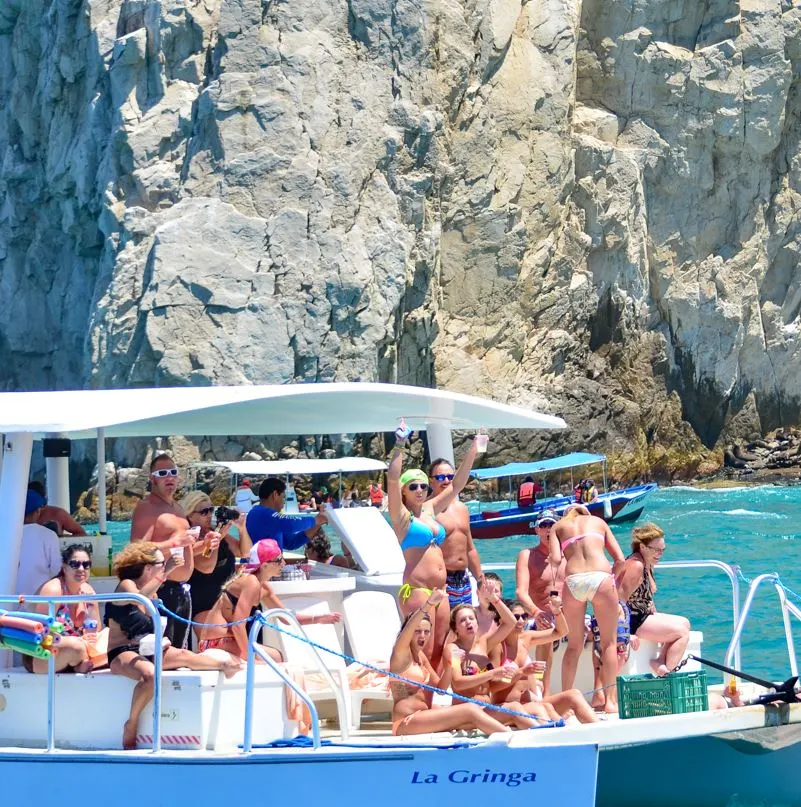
[{"x": 581, "y": 539}]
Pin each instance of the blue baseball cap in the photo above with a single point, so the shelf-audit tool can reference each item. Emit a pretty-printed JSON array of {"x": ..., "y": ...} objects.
[{"x": 33, "y": 501}]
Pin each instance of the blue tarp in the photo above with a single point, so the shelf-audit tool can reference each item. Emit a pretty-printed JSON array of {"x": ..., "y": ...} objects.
[{"x": 525, "y": 468}]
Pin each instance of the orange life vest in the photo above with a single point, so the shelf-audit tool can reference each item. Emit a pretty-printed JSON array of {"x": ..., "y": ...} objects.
[{"x": 525, "y": 494}]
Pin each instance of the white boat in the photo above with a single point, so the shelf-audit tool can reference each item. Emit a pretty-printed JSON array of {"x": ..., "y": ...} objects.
[{"x": 67, "y": 728}]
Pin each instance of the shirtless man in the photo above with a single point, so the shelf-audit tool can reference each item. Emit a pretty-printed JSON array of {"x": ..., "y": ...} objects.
[
  {"x": 160, "y": 519},
  {"x": 535, "y": 578},
  {"x": 458, "y": 549},
  {"x": 50, "y": 514}
]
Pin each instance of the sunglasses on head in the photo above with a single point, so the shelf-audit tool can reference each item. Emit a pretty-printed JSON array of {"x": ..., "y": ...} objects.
[
  {"x": 444, "y": 477},
  {"x": 417, "y": 486},
  {"x": 162, "y": 472},
  {"x": 79, "y": 564},
  {"x": 205, "y": 511}
]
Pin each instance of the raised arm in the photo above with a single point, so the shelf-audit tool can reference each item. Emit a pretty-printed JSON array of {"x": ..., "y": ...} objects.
[
  {"x": 460, "y": 479},
  {"x": 401, "y": 657},
  {"x": 394, "y": 496},
  {"x": 554, "y": 547},
  {"x": 508, "y": 623}
]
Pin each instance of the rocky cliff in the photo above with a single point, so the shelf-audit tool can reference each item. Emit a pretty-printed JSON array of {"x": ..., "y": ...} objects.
[{"x": 580, "y": 205}]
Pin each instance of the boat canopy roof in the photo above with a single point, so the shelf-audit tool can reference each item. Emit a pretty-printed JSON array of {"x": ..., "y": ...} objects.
[
  {"x": 337, "y": 408},
  {"x": 522, "y": 468},
  {"x": 340, "y": 465}
]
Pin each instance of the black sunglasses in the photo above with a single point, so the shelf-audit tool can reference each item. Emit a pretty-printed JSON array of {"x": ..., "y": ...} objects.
[
  {"x": 444, "y": 477},
  {"x": 205, "y": 511},
  {"x": 79, "y": 564},
  {"x": 518, "y": 617},
  {"x": 417, "y": 486}
]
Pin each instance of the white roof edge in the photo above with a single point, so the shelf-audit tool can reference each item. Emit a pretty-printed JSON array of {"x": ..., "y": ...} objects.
[
  {"x": 327, "y": 408},
  {"x": 345, "y": 465}
]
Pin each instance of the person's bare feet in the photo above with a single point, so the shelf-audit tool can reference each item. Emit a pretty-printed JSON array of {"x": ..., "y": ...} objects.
[
  {"x": 610, "y": 708},
  {"x": 231, "y": 667},
  {"x": 129, "y": 735},
  {"x": 85, "y": 666},
  {"x": 659, "y": 669},
  {"x": 598, "y": 702}
]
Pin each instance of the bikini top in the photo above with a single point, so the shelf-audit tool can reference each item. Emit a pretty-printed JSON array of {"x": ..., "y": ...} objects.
[
  {"x": 419, "y": 536},
  {"x": 132, "y": 621},
  {"x": 414, "y": 673},
  {"x": 573, "y": 539}
]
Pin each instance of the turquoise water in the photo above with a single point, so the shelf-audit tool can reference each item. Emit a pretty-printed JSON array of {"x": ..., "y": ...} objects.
[{"x": 758, "y": 528}]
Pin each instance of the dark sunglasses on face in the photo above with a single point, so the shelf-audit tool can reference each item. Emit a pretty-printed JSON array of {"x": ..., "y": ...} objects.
[
  {"x": 417, "y": 486},
  {"x": 444, "y": 477},
  {"x": 79, "y": 564},
  {"x": 518, "y": 617},
  {"x": 205, "y": 511},
  {"x": 162, "y": 472},
  {"x": 157, "y": 563}
]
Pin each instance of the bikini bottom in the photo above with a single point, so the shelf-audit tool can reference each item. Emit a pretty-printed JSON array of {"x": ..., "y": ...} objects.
[{"x": 584, "y": 585}]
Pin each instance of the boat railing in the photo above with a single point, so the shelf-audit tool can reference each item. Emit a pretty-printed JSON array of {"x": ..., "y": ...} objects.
[
  {"x": 787, "y": 608},
  {"x": 729, "y": 570},
  {"x": 117, "y": 596},
  {"x": 255, "y": 649}
]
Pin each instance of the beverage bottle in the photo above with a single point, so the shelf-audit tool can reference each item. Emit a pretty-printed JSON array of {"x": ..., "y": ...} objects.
[{"x": 90, "y": 631}]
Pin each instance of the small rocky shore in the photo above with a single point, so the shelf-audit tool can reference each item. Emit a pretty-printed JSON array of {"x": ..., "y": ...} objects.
[{"x": 774, "y": 458}]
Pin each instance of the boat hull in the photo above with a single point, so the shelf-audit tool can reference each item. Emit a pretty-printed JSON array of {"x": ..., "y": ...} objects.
[
  {"x": 393, "y": 777},
  {"x": 614, "y": 507},
  {"x": 755, "y": 768}
]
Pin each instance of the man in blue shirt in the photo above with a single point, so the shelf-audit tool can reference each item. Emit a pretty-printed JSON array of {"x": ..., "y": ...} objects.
[{"x": 265, "y": 519}]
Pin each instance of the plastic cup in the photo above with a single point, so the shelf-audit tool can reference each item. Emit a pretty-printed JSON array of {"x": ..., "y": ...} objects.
[
  {"x": 482, "y": 440},
  {"x": 195, "y": 532},
  {"x": 539, "y": 669},
  {"x": 177, "y": 551}
]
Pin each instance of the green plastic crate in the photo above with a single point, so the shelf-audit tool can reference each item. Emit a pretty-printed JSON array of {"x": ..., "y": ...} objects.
[{"x": 649, "y": 696}]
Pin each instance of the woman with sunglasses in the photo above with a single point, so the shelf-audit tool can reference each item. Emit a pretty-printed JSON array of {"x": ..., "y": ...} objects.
[
  {"x": 421, "y": 536},
  {"x": 72, "y": 580},
  {"x": 525, "y": 682},
  {"x": 242, "y": 596},
  {"x": 142, "y": 569},
  {"x": 637, "y": 586},
  {"x": 215, "y": 552}
]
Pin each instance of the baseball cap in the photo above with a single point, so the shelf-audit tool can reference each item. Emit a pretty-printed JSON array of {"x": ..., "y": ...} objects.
[
  {"x": 545, "y": 518},
  {"x": 263, "y": 552},
  {"x": 33, "y": 501}
]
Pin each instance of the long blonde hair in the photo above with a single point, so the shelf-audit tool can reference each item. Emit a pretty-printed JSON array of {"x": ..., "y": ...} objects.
[{"x": 644, "y": 535}]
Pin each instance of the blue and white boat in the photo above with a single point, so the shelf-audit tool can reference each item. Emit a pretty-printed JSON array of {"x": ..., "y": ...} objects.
[
  {"x": 205, "y": 733},
  {"x": 625, "y": 504}
]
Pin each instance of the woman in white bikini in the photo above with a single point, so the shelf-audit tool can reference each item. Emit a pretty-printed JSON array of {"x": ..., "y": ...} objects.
[{"x": 581, "y": 539}]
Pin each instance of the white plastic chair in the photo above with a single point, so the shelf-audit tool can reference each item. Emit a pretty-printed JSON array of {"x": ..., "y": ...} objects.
[{"x": 299, "y": 653}]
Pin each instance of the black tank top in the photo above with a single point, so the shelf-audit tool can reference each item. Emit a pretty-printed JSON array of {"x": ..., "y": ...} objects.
[{"x": 206, "y": 586}]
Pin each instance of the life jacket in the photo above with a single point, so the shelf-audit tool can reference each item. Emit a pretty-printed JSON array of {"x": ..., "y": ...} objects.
[
  {"x": 525, "y": 494},
  {"x": 589, "y": 493},
  {"x": 376, "y": 494}
]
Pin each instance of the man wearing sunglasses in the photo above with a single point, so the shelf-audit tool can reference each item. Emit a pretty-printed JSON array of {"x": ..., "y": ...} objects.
[
  {"x": 458, "y": 548},
  {"x": 160, "y": 519}
]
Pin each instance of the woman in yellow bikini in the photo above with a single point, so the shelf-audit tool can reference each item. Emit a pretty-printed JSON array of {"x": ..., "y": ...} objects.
[
  {"x": 420, "y": 536},
  {"x": 412, "y": 712},
  {"x": 581, "y": 539}
]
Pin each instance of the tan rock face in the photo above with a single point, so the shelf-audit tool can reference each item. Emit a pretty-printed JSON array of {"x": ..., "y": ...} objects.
[{"x": 585, "y": 207}]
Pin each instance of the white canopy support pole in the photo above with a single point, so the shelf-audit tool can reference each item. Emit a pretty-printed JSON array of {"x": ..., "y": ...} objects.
[
  {"x": 439, "y": 441},
  {"x": 102, "y": 515},
  {"x": 340, "y": 488},
  {"x": 13, "y": 487},
  {"x": 58, "y": 479}
]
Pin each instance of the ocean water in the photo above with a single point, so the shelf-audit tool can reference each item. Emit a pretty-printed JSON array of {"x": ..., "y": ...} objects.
[{"x": 757, "y": 528}]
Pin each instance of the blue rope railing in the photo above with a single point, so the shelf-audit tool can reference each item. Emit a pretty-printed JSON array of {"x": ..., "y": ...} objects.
[{"x": 544, "y": 723}]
